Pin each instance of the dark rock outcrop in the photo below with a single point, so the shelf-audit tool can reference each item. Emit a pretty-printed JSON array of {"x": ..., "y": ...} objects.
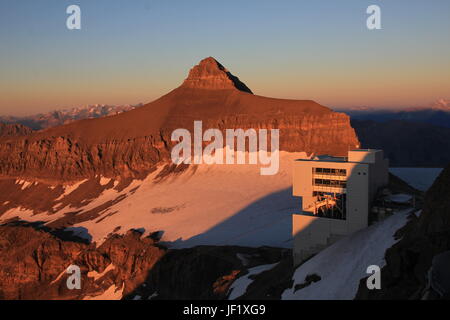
[
  {"x": 34, "y": 260},
  {"x": 207, "y": 272},
  {"x": 33, "y": 264},
  {"x": 410, "y": 259}
]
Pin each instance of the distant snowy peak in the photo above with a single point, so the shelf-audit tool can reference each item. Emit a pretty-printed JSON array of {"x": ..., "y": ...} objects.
[
  {"x": 359, "y": 108},
  {"x": 90, "y": 111},
  {"x": 439, "y": 105},
  {"x": 63, "y": 116}
]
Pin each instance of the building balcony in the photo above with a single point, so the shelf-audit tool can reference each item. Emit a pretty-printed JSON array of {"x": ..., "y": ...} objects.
[
  {"x": 331, "y": 189},
  {"x": 329, "y": 176}
]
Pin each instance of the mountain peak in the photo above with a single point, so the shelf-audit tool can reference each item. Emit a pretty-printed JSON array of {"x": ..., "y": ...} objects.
[
  {"x": 441, "y": 105},
  {"x": 210, "y": 74}
]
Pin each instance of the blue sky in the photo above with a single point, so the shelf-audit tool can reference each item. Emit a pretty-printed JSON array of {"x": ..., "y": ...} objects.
[{"x": 135, "y": 51}]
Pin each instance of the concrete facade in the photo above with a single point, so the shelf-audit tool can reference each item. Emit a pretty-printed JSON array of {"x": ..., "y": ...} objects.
[{"x": 336, "y": 195}]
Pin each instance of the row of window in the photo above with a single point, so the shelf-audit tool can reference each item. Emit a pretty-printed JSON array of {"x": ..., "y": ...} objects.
[
  {"x": 323, "y": 193},
  {"x": 330, "y": 171},
  {"x": 330, "y": 183}
]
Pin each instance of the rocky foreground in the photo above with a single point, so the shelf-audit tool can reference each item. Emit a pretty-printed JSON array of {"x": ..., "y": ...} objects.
[{"x": 34, "y": 259}]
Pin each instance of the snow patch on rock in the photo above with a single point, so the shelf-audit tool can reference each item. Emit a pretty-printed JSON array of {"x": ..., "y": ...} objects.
[
  {"x": 342, "y": 265},
  {"x": 240, "y": 285}
]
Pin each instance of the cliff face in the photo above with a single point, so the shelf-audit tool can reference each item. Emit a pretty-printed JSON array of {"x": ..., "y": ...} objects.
[
  {"x": 33, "y": 264},
  {"x": 132, "y": 143}
]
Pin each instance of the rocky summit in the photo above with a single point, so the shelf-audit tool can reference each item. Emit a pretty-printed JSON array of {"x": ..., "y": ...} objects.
[{"x": 210, "y": 74}]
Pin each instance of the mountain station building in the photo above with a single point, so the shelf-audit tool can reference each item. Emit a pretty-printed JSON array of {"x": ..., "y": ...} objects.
[{"x": 336, "y": 196}]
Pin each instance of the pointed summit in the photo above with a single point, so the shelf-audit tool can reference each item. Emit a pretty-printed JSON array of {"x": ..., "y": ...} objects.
[{"x": 210, "y": 74}]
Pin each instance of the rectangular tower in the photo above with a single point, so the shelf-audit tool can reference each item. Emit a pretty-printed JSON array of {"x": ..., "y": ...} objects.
[{"x": 336, "y": 196}]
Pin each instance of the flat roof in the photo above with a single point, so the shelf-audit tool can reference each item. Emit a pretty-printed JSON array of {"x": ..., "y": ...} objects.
[
  {"x": 331, "y": 159},
  {"x": 328, "y": 158},
  {"x": 365, "y": 150}
]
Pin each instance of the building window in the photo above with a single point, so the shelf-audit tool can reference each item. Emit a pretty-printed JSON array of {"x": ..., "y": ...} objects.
[
  {"x": 330, "y": 183},
  {"x": 330, "y": 171}
]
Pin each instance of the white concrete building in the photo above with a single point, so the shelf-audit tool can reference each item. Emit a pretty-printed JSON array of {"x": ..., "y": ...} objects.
[{"x": 336, "y": 196}]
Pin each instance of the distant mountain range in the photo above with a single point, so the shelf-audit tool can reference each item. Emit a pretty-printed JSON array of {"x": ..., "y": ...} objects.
[
  {"x": 416, "y": 137},
  {"x": 437, "y": 113},
  {"x": 60, "y": 117},
  {"x": 406, "y": 143}
]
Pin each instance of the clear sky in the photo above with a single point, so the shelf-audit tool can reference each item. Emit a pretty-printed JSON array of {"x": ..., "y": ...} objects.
[{"x": 134, "y": 51}]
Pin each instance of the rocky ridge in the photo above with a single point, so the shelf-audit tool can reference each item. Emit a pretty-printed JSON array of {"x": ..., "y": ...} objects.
[
  {"x": 14, "y": 130},
  {"x": 132, "y": 143}
]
